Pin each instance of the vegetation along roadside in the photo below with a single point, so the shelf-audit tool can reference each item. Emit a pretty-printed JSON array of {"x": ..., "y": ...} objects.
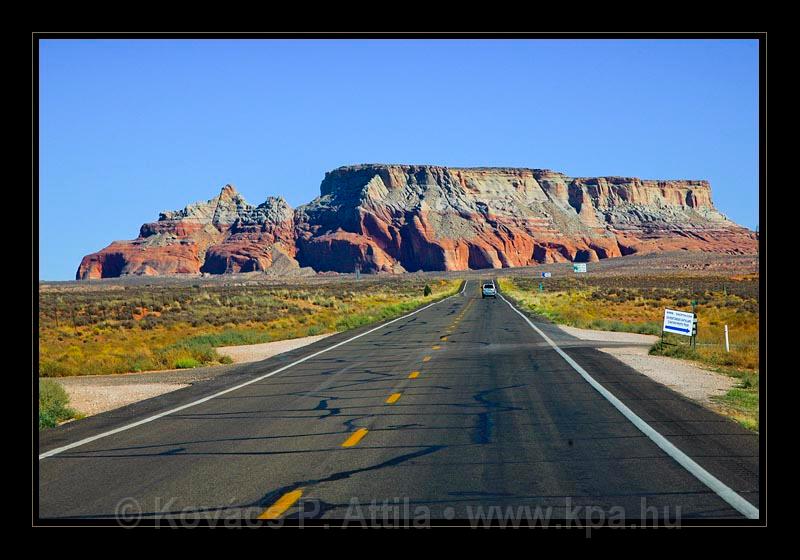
[{"x": 106, "y": 329}]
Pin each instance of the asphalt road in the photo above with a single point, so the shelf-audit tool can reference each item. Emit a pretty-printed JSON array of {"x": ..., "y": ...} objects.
[{"x": 495, "y": 424}]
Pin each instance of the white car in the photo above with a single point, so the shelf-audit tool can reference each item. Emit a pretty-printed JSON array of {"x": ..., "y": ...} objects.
[{"x": 488, "y": 290}]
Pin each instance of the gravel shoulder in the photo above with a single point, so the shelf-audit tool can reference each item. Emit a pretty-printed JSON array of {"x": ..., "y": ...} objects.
[
  {"x": 687, "y": 378},
  {"x": 258, "y": 352},
  {"x": 93, "y": 394}
]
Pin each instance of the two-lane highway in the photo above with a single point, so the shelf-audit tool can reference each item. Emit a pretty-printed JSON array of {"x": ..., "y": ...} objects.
[{"x": 446, "y": 413}]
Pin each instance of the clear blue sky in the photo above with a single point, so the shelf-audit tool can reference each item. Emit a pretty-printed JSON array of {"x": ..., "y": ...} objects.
[{"x": 131, "y": 128}]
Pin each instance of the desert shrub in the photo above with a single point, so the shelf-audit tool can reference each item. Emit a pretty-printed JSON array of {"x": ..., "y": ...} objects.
[
  {"x": 621, "y": 326},
  {"x": 676, "y": 350},
  {"x": 186, "y": 363},
  {"x": 231, "y": 338},
  {"x": 314, "y": 330},
  {"x": 749, "y": 381},
  {"x": 53, "y": 368},
  {"x": 53, "y": 401},
  {"x": 748, "y": 307}
]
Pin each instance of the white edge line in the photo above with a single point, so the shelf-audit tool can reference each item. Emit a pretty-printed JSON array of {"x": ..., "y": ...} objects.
[
  {"x": 720, "y": 488},
  {"x": 95, "y": 437}
]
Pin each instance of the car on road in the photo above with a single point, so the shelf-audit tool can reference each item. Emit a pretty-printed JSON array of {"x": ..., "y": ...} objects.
[{"x": 488, "y": 290}]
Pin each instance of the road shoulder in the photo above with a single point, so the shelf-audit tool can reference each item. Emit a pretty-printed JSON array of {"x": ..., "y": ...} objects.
[
  {"x": 94, "y": 394},
  {"x": 684, "y": 377}
]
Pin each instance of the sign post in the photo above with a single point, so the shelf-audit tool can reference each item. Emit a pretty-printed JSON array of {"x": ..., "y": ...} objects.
[
  {"x": 541, "y": 284},
  {"x": 580, "y": 268}
]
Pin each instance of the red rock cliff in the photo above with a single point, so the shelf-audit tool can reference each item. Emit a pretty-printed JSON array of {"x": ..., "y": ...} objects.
[{"x": 394, "y": 218}]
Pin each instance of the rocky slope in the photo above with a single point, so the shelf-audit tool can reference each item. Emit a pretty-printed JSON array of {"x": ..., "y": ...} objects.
[{"x": 395, "y": 218}]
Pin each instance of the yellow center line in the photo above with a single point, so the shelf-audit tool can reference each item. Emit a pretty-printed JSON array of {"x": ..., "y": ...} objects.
[
  {"x": 278, "y": 508},
  {"x": 355, "y": 437},
  {"x": 413, "y": 375},
  {"x": 443, "y": 338},
  {"x": 426, "y": 359},
  {"x": 435, "y": 346},
  {"x": 393, "y": 398}
]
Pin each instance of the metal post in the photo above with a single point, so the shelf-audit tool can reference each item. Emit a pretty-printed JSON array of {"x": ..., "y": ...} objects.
[{"x": 727, "y": 343}]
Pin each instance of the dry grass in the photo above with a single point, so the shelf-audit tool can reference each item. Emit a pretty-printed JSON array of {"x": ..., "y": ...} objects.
[{"x": 106, "y": 330}]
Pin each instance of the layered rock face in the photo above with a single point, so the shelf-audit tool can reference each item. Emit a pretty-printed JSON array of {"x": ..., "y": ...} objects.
[
  {"x": 222, "y": 235},
  {"x": 396, "y": 218}
]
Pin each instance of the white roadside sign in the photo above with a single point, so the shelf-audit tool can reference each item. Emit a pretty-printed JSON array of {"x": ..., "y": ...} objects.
[
  {"x": 678, "y": 322},
  {"x": 578, "y": 267},
  {"x": 546, "y": 275}
]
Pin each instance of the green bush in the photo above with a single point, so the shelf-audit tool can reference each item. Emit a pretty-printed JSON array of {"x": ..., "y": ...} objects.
[
  {"x": 53, "y": 368},
  {"x": 230, "y": 338},
  {"x": 314, "y": 330},
  {"x": 676, "y": 350},
  {"x": 186, "y": 363},
  {"x": 53, "y": 401},
  {"x": 619, "y": 326}
]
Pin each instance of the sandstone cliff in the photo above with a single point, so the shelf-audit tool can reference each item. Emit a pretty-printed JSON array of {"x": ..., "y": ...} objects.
[
  {"x": 395, "y": 218},
  {"x": 224, "y": 234}
]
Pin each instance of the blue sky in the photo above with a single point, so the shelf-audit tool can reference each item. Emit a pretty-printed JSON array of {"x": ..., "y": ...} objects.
[{"x": 131, "y": 128}]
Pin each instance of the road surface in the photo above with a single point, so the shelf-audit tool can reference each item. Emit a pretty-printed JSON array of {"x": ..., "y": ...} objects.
[{"x": 461, "y": 410}]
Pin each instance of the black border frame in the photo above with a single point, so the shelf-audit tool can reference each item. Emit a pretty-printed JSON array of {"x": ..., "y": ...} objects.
[{"x": 761, "y": 37}]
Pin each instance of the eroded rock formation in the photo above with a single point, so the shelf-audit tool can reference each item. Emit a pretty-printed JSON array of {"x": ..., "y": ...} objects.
[{"x": 395, "y": 218}]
